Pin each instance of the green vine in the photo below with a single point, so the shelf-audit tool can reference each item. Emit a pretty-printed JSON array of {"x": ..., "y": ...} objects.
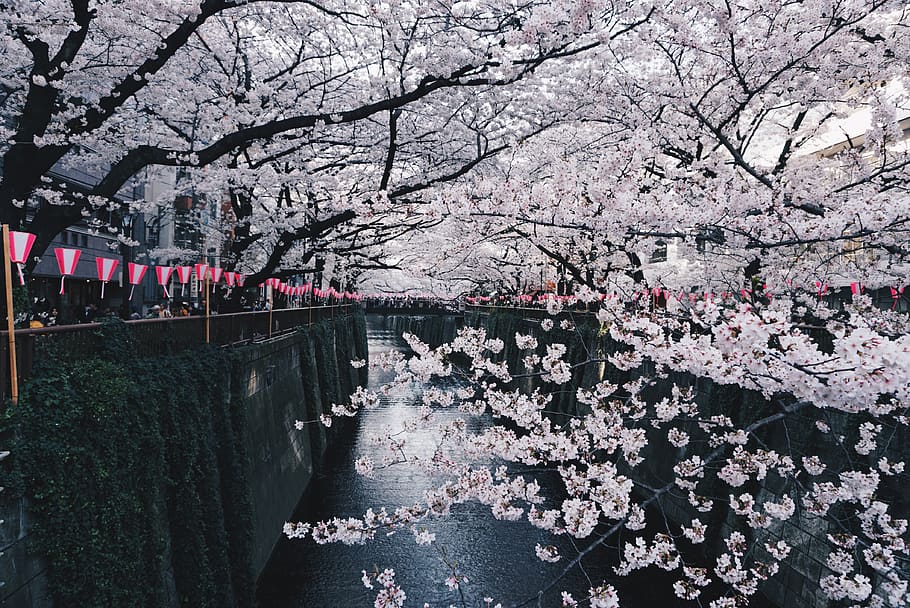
[{"x": 133, "y": 471}]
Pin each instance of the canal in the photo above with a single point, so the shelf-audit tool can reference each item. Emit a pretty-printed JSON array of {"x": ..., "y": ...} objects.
[{"x": 497, "y": 557}]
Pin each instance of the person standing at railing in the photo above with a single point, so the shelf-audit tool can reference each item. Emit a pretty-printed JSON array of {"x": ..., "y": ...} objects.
[{"x": 89, "y": 314}]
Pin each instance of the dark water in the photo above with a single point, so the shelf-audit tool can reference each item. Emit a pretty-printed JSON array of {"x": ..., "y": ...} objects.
[{"x": 497, "y": 557}]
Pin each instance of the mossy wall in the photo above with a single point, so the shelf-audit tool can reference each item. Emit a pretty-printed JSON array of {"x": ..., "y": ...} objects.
[
  {"x": 432, "y": 329},
  {"x": 163, "y": 482}
]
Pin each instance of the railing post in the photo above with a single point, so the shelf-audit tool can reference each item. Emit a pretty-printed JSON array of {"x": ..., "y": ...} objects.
[
  {"x": 206, "y": 308},
  {"x": 10, "y": 319},
  {"x": 271, "y": 306}
]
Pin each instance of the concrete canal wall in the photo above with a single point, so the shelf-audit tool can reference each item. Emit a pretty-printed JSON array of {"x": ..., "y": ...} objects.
[
  {"x": 164, "y": 481},
  {"x": 797, "y": 584},
  {"x": 433, "y": 329}
]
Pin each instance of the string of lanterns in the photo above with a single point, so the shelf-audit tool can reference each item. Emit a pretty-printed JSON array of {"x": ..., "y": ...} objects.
[
  {"x": 821, "y": 290},
  {"x": 67, "y": 259}
]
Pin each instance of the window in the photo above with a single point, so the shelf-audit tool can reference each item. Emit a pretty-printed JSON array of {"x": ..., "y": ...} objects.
[{"x": 660, "y": 253}]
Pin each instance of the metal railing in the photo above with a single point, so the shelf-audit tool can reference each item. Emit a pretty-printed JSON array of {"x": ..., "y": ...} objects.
[
  {"x": 160, "y": 337},
  {"x": 528, "y": 312}
]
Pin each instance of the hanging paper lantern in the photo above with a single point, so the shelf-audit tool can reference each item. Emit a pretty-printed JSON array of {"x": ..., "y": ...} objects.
[
  {"x": 200, "y": 273},
  {"x": 856, "y": 289},
  {"x": 241, "y": 279},
  {"x": 822, "y": 289},
  {"x": 66, "y": 261},
  {"x": 106, "y": 268},
  {"x": 230, "y": 278},
  {"x": 183, "y": 275},
  {"x": 136, "y": 272},
  {"x": 20, "y": 243},
  {"x": 896, "y": 294},
  {"x": 215, "y": 273},
  {"x": 164, "y": 275}
]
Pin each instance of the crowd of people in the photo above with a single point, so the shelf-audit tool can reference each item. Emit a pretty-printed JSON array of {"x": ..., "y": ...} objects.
[
  {"x": 42, "y": 313},
  {"x": 399, "y": 302}
]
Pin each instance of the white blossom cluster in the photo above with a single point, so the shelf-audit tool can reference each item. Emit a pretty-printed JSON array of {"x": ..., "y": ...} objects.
[{"x": 616, "y": 429}]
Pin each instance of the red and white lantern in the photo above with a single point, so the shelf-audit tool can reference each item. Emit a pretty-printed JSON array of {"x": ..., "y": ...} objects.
[
  {"x": 215, "y": 273},
  {"x": 66, "y": 261},
  {"x": 230, "y": 278},
  {"x": 164, "y": 275},
  {"x": 896, "y": 294},
  {"x": 241, "y": 279},
  {"x": 106, "y": 268},
  {"x": 20, "y": 243},
  {"x": 822, "y": 289},
  {"x": 200, "y": 274},
  {"x": 184, "y": 273},
  {"x": 136, "y": 272}
]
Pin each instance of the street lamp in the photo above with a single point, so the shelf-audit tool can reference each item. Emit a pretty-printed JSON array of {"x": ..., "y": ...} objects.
[{"x": 126, "y": 221}]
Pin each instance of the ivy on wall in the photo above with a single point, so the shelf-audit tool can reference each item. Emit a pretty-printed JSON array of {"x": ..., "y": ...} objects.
[
  {"x": 134, "y": 470},
  {"x": 134, "y": 475}
]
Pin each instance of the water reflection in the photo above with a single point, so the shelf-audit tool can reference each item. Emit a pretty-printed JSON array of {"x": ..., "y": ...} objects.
[{"x": 498, "y": 557}]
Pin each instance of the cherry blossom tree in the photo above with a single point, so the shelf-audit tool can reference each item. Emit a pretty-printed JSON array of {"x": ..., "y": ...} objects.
[
  {"x": 747, "y": 476},
  {"x": 306, "y": 114},
  {"x": 710, "y": 128},
  {"x": 766, "y": 141}
]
